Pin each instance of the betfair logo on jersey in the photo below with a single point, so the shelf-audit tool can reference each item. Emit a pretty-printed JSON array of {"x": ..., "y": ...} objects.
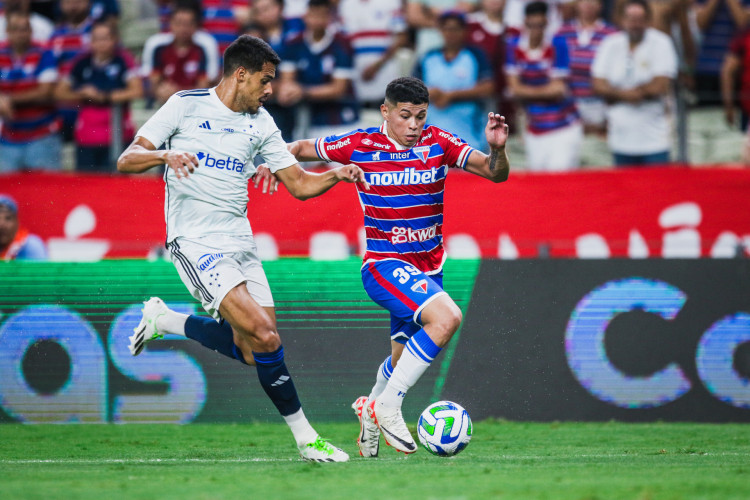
[
  {"x": 408, "y": 177},
  {"x": 228, "y": 163},
  {"x": 409, "y": 235},
  {"x": 339, "y": 144}
]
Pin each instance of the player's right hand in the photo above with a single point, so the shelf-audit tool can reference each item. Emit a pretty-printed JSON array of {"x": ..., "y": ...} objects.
[
  {"x": 182, "y": 162},
  {"x": 351, "y": 173}
]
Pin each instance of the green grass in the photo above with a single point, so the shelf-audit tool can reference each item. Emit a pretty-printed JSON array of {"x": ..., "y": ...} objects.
[{"x": 583, "y": 461}]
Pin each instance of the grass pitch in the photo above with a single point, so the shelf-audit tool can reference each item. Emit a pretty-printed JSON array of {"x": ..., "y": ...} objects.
[{"x": 582, "y": 461}]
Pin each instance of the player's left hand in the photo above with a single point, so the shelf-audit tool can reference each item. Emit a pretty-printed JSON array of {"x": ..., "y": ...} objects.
[
  {"x": 270, "y": 182},
  {"x": 351, "y": 173},
  {"x": 496, "y": 130}
]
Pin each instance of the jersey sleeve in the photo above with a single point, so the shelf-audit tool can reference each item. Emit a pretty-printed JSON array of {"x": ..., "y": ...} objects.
[
  {"x": 47, "y": 69},
  {"x": 511, "y": 58},
  {"x": 164, "y": 123},
  {"x": 338, "y": 148},
  {"x": 274, "y": 152},
  {"x": 456, "y": 151}
]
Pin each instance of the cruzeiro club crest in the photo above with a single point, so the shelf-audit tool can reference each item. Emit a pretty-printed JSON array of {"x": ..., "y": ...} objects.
[
  {"x": 420, "y": 286},
  {"x": 422, "y": 152}
]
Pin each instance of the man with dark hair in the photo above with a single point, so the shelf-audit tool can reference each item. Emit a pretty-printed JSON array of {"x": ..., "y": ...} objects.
[
  {"x": 181, "y": 64},
  {"x": 211, "y": 137},
  {"x": 17, "y": 242},
  {"x": 537, "y": 70},
  {"x": 405, "y": 163},
  {"x": 317, "y": 71},
  {"x": 30, "y": 130}
]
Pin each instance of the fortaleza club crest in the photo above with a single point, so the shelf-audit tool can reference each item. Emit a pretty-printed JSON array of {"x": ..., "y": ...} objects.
[
  {"x": 422, "y": 153},
  {"x": 420, "y": 286}
]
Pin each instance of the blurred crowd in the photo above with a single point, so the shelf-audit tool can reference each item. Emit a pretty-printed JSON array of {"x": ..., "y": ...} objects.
[{"x": 558, "y": 70}]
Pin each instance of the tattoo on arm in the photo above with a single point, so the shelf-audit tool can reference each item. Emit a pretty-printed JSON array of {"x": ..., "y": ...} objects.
[{"x": 493, "y": 158}]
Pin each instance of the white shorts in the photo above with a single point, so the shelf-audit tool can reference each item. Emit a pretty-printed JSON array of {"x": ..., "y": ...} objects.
[
  {"x": 211, "y": 266},
  {"x": 555, "y": 151}
]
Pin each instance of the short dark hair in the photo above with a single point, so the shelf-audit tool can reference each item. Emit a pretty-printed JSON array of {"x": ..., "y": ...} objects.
[
  {"x": 320, "y": 3},
  {"x": 193, "y": 6},
  {"x": 643, "y": 3},
  {"x": 249, "y": 52},
  {"x": 536, "y": 8},
  {"x": 407, "y": 89},
  {"x": 455, "y": 15}
]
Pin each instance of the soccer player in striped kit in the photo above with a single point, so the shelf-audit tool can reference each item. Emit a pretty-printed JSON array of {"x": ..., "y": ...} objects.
[{"x": 405, "y": 163}]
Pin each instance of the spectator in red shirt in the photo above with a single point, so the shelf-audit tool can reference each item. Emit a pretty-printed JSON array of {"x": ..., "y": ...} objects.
[
  {"x": 181, "y": 64},
  {"x": 487, "y": 30},
  {"x": 737, "y": 60}
]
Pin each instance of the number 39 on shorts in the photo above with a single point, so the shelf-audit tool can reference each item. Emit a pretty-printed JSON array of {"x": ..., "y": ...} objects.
[{"x": 403, "y": 273}]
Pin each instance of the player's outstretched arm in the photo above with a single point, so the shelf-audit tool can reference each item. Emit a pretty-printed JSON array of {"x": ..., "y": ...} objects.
[
  {"x": 304, "y": 185},
  {"x": 141, "y": 155},
  {"x": 304, "y": 150},
  {"x": 496, "y": 165}
]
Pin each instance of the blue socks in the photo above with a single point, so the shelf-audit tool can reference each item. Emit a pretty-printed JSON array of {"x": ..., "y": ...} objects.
[
  {"x": 276, "y": 381},
  {"x": 216, "y": 336}
]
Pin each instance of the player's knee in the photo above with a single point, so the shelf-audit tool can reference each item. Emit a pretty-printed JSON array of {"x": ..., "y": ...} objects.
[{"x": 261, "y": 335}]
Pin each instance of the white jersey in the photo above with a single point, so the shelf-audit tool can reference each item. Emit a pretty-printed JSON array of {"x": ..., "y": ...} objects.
[{"x": 213, "y": 199}]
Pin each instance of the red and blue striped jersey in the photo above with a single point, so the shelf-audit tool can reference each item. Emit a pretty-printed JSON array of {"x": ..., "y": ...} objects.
[
  {"x": 536, "y": 68},
  {"x": 404, "y": 207},
  {"x": 31, "y": 121},
  {"x": 68, "y": 42},
  {"x": 582, "y": 46}
]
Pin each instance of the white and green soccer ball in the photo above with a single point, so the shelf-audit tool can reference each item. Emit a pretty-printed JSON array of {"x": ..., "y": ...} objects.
[{"x": 444, "y": 428}]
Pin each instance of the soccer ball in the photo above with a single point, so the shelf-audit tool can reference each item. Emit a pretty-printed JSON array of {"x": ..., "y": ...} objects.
[{"x": 444, "y": 428}]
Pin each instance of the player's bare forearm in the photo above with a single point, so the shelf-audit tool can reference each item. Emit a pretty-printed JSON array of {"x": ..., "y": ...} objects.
[
  {"x": 303, "y": 150},
  {"x": 138, "y": 158},
  {"x": 141, "y": 155},
  {"x": 304, "y": 185},
  {"x": 498, "y": 164}
]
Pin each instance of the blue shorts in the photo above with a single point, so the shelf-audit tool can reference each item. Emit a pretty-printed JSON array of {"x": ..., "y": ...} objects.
[{"x": 404, "y": 291}]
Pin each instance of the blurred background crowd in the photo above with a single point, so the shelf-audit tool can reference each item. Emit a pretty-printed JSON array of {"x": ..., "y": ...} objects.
[{"x": 583, "y": 83}]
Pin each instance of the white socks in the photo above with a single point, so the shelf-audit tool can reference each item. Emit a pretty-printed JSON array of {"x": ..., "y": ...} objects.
[
  {"x": 171, "y": 322},
  {"x": 301, "y": 428}
]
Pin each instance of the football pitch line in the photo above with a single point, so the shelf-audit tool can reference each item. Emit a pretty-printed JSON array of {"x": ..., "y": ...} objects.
[{"x": 238, "y": 460}]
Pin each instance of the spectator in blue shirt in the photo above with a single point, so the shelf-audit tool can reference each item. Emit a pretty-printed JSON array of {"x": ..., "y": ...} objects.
[
  {"x": 16, "y": 242},
  {"x": 317, "y": 69},
  {"x": 459, "y": 79}
]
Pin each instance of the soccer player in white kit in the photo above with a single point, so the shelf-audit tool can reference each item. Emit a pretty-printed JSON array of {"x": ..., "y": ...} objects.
[{"x": 211, "y": 137}]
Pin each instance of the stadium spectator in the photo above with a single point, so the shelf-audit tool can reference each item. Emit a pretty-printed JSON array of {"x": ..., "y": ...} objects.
[
  {"x": 487, "y": 30},
  {"x": 558, "y": 13},
  {"x": 181, "y": 64},
  {"x": 737, "y": 60},
  {"x": 41, "y": 27},
  {"x": 204, "y": 40},
  {"x": 15, "y": 241},
  {"x": 105, "y": 10},
  {"x": 99, "y": 80},
  {"x": 459, "y": 79},
  {"x": 30, "y": 131},
  {"x": 271, "y": 26},
  {"x": 376, "y": 31},
  {"x": 537, "y": 70},
  {"x": 719, "y": 21},
  {"x": 70, "y": 39},
  {"x": 422, "y": 16},
  {"x": 223, "y": 19},
  {"x": 633, "y": 71},
  {"x": 583, "y": 35},
  {"x": 316, "y": 69}
]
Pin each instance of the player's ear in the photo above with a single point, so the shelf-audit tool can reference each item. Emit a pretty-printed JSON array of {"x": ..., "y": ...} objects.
[
  {"x": 384, "y": 110},
  {"x": 241, "y": 73}
]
